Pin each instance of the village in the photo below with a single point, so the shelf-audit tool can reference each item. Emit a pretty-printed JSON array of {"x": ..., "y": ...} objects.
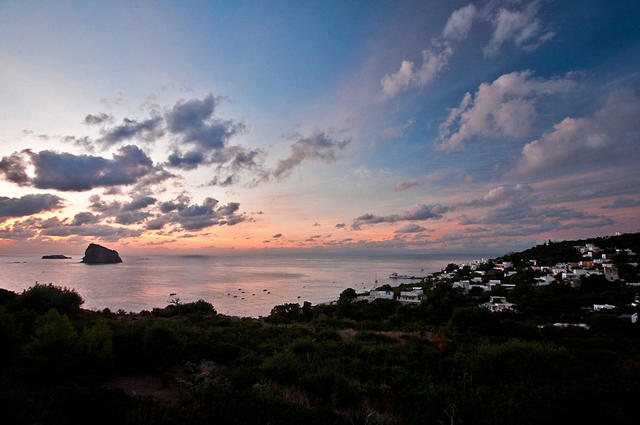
[{"x": 496, "y": 278}]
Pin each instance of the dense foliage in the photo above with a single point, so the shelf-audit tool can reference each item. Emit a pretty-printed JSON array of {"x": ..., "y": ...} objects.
[{"x": 443, "y": 361}]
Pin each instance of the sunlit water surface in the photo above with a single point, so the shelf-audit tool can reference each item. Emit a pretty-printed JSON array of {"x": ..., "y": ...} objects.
[{"x": 235, "y": 285}]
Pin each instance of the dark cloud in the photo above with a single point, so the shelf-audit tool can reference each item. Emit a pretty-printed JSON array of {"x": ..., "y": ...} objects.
[
  {"x": 193, "y": 113},
  {"x": 68, "y": 172},
  {"x": 14, "y": 168},
  {"x": 148, "y": 130},
  {"x": 400, "y": 186},
  {"x": 85, "y": 218},
  {"x": 319, "y": 145},
  {"x": 28, "y": 205},
  {"x": 139, "y": 203},
  {"x": 123, "y": 212},
  {"x": 98, "y": 119},
  {"x": 132, "y": 217},
  {"x": 340, "y": 226},
  {"x": 411, "y": 228},
  {"x": 186, "y": 161},
  {"x": 227, "y": 181},
  {"x": 193, "y": 123},
  {"x": 277, "y": 235},
  {"x": 623, "y": 203},
  {"x": 415, "y": 213},
  {"x": 102, "y": 231},
  {"x": 20, "y": 230},
  {"x": 187, "y": 216},
  {"x": 202, "y": 139}
]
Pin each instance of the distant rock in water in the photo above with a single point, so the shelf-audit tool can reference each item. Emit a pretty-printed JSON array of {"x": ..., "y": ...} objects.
[
  {"x": 98, "y": 254},
  {"x": 55, "y": 257}
]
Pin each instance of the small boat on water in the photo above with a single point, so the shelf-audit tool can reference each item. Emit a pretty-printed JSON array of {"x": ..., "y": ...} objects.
[{"x": 402, "y": 276}]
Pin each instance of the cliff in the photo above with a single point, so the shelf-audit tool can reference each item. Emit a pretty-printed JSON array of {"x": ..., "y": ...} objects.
[{"x": 98, "y": 254}]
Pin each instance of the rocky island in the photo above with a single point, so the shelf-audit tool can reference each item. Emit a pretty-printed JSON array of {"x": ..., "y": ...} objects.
[
  {"x": 98, "y": 254},
  {"x": 55, "y": 257}
]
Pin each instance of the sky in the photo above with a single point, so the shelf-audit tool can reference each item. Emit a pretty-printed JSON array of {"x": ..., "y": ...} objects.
[{"x": 204, "y": 127}]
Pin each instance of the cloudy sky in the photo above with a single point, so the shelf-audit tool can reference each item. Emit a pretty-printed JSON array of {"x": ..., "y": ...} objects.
[{"x": 202, "y": 126}]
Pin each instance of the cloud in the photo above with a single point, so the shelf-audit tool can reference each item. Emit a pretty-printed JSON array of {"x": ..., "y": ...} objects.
[
  {"x": 340, "y": 226},
  {"x": 503, "y": 194},
  {"x": 396, "y": 132},
  {"x": 415, "y": 213},
  {"x": 400, "y": 186},
  {"x": 14, "y": 169},
  {"x": 193, "y": 123},
  {"x": 98, "y": 119},
  {"x": 85, "y": 218},
  {"x": 186, "y": 161},
  {"x": 223, "y": 181},
  {"x": 523, "y": 27},
  {"x": 277, "y": 235},
  {"x": 148, "y": 130},
  {"x": 319, "y": 145},
  {"x": 516, "y": 210},
  {"x": 434, "y": 59},
  {"x": 132, "y": 217},
  {"x": 202, "y": 139},
  {"x": 102, "y": 231},
  {"x": 28, "y": 205},
  {"x": 607, "y": 139},
  {"x": 410, "y": 228},
  {"x": 68, "y": 172},
  {"x": 188, "y": 216},
  {"x": 139, "y": 203},
  {"x": 459, "y": 23},
  {"x": 434, "y": 177},
  {"x": 504, "y": 108},
  {"x": 623, "y": 203}
]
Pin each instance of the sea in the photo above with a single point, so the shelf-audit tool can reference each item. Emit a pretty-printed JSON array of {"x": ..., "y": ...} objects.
[{"x": 237, "y": 285}]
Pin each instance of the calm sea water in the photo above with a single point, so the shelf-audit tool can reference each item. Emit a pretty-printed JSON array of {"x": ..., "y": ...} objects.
[{"x": 235, "y": 285}]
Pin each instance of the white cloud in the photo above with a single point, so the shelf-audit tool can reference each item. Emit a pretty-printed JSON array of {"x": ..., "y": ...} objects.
[
  {"x": 434, "y": 59},
  {"x": 459, "y": 23},
  {"x": 523, "y": 27},
  {"x": 433, "y": 62},
  {"x": 503, "y": 108},
  {"x": 608, "y": 138},
  {"x": 394, "y": 83}
]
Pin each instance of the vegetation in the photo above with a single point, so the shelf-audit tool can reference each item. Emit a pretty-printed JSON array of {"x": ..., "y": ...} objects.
[{"x": 443, "y": 361}]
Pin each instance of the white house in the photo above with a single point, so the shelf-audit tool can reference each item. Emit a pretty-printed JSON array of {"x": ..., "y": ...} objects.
[
  {"x": 411, "y": 297},
  {"x": 610, "y": 272},
  {"x": 462, "y": 284},
  {"x": 497, "y": 304},
  {"x": 601, "y": 307},
  {"x": 380, "y": 295},
  {"x": 483, "y": 287},
  {"x": 544, "y": 280}
]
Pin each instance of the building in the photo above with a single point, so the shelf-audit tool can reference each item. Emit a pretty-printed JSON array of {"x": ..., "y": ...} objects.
[
  {"x": 498, "y": 304},
  {"x": 411, "y": 297}
]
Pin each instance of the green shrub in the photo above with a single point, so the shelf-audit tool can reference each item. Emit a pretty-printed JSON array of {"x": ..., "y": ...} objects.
[{"x": 42, "y": 298}]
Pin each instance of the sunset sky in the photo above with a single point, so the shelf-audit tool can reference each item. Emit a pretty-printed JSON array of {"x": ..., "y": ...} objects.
[{"x": 166, "y": 126}]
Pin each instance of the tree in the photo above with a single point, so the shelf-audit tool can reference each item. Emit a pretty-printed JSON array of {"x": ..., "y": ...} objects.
[{"x": 347, "y": 296}]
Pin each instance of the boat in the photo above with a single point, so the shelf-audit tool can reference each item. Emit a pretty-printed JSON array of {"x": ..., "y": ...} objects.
[{"x": 402, "y": 276}]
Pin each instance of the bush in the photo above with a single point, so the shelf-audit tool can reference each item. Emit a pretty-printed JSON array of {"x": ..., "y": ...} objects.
[
  {"x": 42, "y": 298},
  {"x": 54, "y": 338}
]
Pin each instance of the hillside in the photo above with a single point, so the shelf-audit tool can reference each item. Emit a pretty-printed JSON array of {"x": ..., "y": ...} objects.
[{"x": 551, "y": 358}]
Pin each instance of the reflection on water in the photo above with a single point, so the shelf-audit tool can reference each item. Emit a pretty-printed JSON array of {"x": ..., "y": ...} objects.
[{"x": 257, "y": 282}]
